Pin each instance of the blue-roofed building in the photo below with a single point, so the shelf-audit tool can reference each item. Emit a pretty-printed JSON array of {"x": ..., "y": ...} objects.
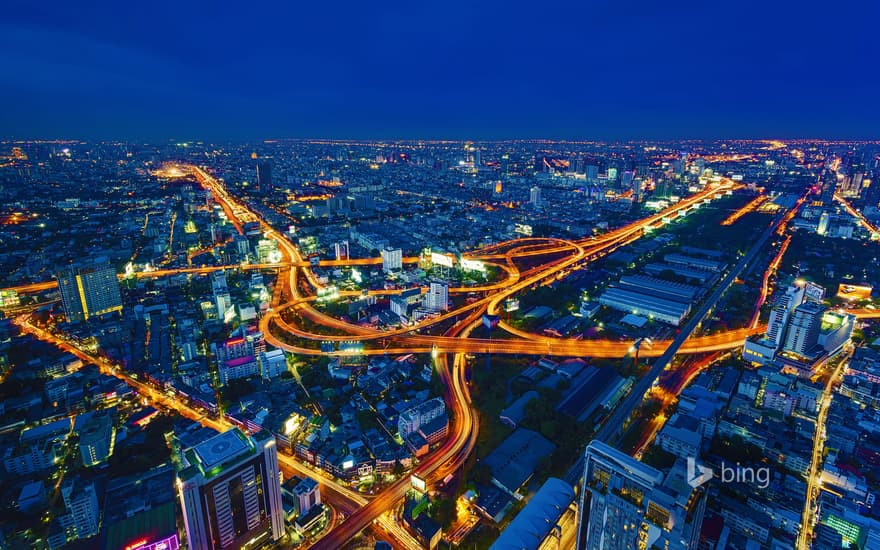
[
  {"x": 538, "y": 519},
  {"x": 514, "y": 414},
  {"x": 589, "y": 394},
  {"x": 513, "y": 462}
]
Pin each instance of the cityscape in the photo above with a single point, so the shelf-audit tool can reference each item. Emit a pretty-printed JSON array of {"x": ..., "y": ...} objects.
[{"x": 373, "y": 277}]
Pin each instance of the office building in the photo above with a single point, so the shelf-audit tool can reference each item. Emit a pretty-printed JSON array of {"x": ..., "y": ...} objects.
[
  {"x": 392, "y": 259},
  {"x": 626, "y": 504},
  {"x": 140, "y": 512},
  {"x": 341, "y": 249},
  {"x": 89, "y": 289},
  {"x": 230, "y": 492},
  {"x": 264, "y": 177},
  {"x": 437, "y": 298},
  {"x": 273, "y": 363},
  {"x": 804, "y": 328},
  {"x": 824, "y": 220},
  {"x": 535, "y": 197},
  {"x": 308, "y": 494},
  {"x": 836, "y": 331},
  {"x": 781, "y": 312},
  {"x": 96, "y": 439},
  {"x": 222, "y": 299},
  {"x": 83, "y": 515},
  {"x": 413, "y": 418},
  {"x": 236, "y": 358}
]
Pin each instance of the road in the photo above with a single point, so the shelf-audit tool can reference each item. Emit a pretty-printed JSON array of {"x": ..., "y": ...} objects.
[
  {"x": 813, "y": 474},
  {"x": 294, "y": 299}
]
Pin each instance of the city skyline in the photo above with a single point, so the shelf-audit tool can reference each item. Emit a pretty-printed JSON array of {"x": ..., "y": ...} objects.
[{"x": 590, "y": 275}]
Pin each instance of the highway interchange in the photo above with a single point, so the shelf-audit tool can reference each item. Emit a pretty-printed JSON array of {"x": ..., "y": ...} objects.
[{"x": 294, "y": 299}]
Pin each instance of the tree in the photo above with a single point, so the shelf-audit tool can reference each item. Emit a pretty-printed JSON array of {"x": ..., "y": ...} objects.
[
  {"x": 482, "y": 474},
  {"x": 443, "y": 511}
]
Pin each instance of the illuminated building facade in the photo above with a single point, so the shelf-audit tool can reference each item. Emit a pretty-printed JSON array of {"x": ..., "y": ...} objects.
[
  {"x": 230, "y": 492},
  {"x": 89, "y": 290}
]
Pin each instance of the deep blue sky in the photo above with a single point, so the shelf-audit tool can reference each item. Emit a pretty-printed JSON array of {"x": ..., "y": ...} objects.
[{"x": 479, "y": 70}]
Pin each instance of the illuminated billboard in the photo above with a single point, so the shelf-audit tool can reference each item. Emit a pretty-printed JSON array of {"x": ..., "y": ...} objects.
[
  {"x": 814, "y": 291},
  {"x": 441, "y": 259},
  {"x": 418, "y": 483},
  {"x": 511, "y": 304},
  {"x": 167, "y": 543},
  {"x": 854, "y": 292},
  {"x": 9, "y": 298},
  {"x": 473, "y": 265}
]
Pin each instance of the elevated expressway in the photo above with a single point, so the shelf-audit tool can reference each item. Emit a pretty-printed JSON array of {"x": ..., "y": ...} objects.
[{"x": 293, "y": 298}]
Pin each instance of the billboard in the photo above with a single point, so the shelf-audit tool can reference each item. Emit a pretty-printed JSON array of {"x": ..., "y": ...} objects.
[
  {"x": 418, "y": 483},
  {"x": 814, "y": 291},
  {"x": 511, "y": 304},
  {"x": 490, "y": 321},
  {"x": 8, "y": 298},
  {"x": 854, "y": 292},
  {"x": 473, "y": 265},
  {"x": 441, "y": 259}
]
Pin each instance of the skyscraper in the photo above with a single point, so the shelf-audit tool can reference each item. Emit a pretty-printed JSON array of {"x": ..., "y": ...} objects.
[
  {"x": 83, "y": 514},
  {"x": 803, "y": 331},
  {"x": 626, "y": 504},
  {"x": 437, "y": 298},
  {"x": 341, "y": 249},
  {"x": 89, "y": 289},
  {"x": 779, "y": 315},
  {"x": 230, "y": 491},
  {"x": 264, "y": 177},
  {"x": 392, "y": 259},
  {"x": 535, "y": 196}
]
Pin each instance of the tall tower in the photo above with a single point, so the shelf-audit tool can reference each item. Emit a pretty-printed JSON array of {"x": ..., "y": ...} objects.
[
  {"x": 230, "y": 491},
  {"x": 264, "y": 176},
  {"x": 535, "y": 196},
  {"x": 803, "y": 331},
  {"x": 626, "y": 504},
  {"x": 437, "y": 298},
  {"x": 89, "y": 289}
]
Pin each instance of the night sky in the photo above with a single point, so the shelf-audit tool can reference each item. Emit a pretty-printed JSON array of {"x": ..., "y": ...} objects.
[{"x": 474, "y": 70}]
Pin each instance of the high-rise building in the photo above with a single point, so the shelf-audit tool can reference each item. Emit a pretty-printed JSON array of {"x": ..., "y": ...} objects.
[
  {"x": 535, "y": 196},
  {"x": 222, "y": 299},
  {"x": 392, "y": 259},
  {"x": 413, "y": 418},
  {"x": 140, "y": 512},
  {"x": 83, "y": 515},
  {"x": 437, "y": 298},
  {"x": 824, "y": 220},
  {"x": 96, "y": 439},
  {"x": 236, "y": 358},
  {"x": 308, "y": 495},
  {"x": 626, "y": 504},
  {"x": 264, "y": 177},
  {"x": 341, "y": 249},
  {"x": 803, "y": 330},
  {"x": 781, "y": 312},
  {"x": 273, "y": 363},
  {"x": 230, "y": 492},
  {"x": 829, "y": 187},
  {"x": 89, "y": 289}
]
